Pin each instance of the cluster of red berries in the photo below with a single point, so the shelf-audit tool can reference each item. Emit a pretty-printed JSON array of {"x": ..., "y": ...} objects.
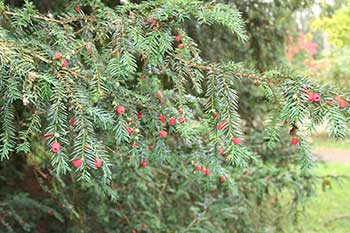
[
  {"x": 220, "y": 126},
  {"x": 199, "y": 168},
  {"x": 56, "y": 148},
  {"x": 58, "y": 56},
  {"x": 316, "y": 98},
  {"x": 341, "y": 102},
  {"x": 178, "y": 39}
]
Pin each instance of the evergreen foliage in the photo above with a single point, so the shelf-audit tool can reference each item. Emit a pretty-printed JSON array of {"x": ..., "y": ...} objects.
[{"x": 65, "y": 77}]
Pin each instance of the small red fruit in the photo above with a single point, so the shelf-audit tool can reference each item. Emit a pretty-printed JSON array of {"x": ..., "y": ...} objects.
[
  {"x": 57, "y": 56},
  {"x": 120, "y": 110},
  {"x": 216, "y": 115},
  {"x": 144, "y": 225},
  {"x": 98, "y": 163},
  {"x": 134, "y": 231},
  {"x": 316, "y": 98},
  {"x": 222, "y": 179},
  {"x": 172, "y": 121},
  {"x": 295, "y": 141},
  {"x": 150, "y": 147},
  {"x": 342, "y": 104},
  {"x": 138, "y": 115},
  {"x": 181, "y": 120},
  {"x": 159, "y": 95},
  {"x": 337, "y": 97},
  {"x": 73, "y": 121},
  {"x": 65, "y": 64},
  {"x": 222, "y": 151},
  {"x": 163, "y": 134},
  {"x": 207, "y": 172},
  {"x": 130, "y": 131},
  {"x": 152, "y": 21},
  {"x": 256, "y": 82},
  {"x": 77, "y": 163},
  {"x": 178, "y": 38},
  {"x": 311, "y": 98},
  {"x": 198, "y": 168},
  {"x": 49, "y": 212},
  {"x": 77, "y": 8},
  {"x": 236, "y": 141},
  {"x": 180, "y": 111},
  {"x": 180, "y": 46},
  {"x": 144, "y": 164},
  {"x": 56, "y": 147},
  {"x": 162, "y": 118},
  {"x": 220, "y": 127}
]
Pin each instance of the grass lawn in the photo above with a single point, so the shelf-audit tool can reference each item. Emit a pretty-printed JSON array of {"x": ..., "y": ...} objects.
[
  {"x": 330, "y": 205},
  {"x": 322, "y": 140}
]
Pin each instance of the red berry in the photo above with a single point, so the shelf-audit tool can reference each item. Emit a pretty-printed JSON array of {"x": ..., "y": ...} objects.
[
  {"x": 162, "y": 118},
  {"x": 311, "y": 97},
  {"x": 65, "y": 64},
  {"x": 207, "y": 172},
  {"x": 56, "y": 147},
  {"x": 316, "y": 98},
  {"x": 73, "y": 121},
  {"x": 120, "y": 110},
  {"x": 172, "y": 121},
  {"x": 256, "y": 82},
  {"x": 180, "y": 46},
  {"x": 134, "y": 231},
  {"x": 163, "y": 134},
  {"x": 181, "y": 120},
  {"x": 144, "y": 164},
  {"x": 342, "y": 104},
  {"x": 198, "y": 168},
  {"x": 222, "y": 179},
  {"x": 150, "y": 147},
  {"x": 159, "y": 95},
  {"x": 130, "y": 131},
  {"x": 180, "y": 111},
  {"x": 98, "y": 163},
  {"x": 236, "y": 141},
  {"x": 268, "y": 179},
  {"x": 77, "y": 163},
  {"x": 295, "y": 141},
  {"x": 144, "y": 225},
  {"x": 222, "y": 151},
  {"x": 49, "y": 212},
  {"x": 216, "y": 115},
  {"x": 220, "y": 126},
  {"x": 337, "y": 97},
  {"x": 152, "y": 21},
  {"x": 57, "y": 56},
  {"x": 77, "y": 8},
  {"x": 178, "y": 38},
  {"x": 138, "y": 115}
]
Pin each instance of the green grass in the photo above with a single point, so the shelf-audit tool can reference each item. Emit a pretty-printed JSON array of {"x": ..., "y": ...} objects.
[
  {"x": 324, "y": 141},
  {"x": 329, "y": 205}
]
